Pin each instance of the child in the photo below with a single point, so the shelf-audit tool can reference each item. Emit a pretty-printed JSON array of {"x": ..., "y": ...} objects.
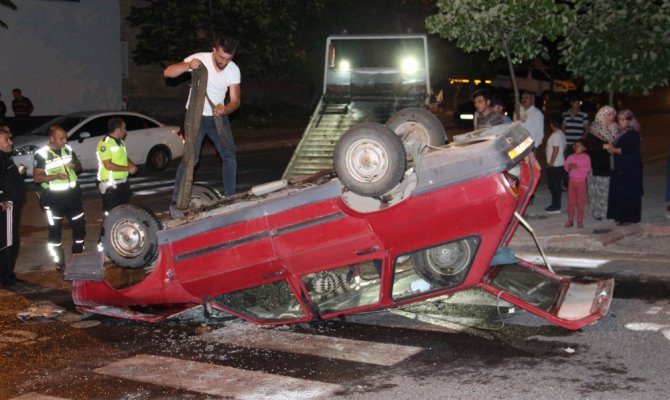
[
  {"x": 578, "y": 166},
  {"x": 555, "y": 149}
]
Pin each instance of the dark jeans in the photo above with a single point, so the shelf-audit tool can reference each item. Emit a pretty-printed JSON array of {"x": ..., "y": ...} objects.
[
  {"x": 224, "y": 146},
  {"x": 554, "y": 178},
  {"x": 667, "y": 182}
]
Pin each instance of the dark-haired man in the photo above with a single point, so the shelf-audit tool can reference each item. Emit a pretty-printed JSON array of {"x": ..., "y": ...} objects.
[
  {"x": 223, "y": 77},
  {"x": 484, "y": 117},
  {"x": 55, "y": 168}
]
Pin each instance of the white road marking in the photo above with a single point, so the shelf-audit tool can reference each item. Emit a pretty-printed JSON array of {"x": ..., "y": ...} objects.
[
  {"x": 216, "y": 380},
  {"x": 36, "y": 396},
  {"x": 576, "y": 262},
  {"x": 247, "y": 335}
]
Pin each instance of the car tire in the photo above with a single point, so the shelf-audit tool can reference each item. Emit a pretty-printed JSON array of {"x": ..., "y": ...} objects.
[
  {"x": 131, "y": 236},
  {"x": 417, "y": 128},
  {"x": 203, "y": 195},
  {"x": 445, "y": 265},
  {"x": 158, "y": 158},
  {"x": 369, "y": 159}
]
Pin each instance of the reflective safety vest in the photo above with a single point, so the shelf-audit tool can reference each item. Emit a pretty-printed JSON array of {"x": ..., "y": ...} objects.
[
  {"x": 112, "y": 149},
  {"x": 57, "y": 164}
]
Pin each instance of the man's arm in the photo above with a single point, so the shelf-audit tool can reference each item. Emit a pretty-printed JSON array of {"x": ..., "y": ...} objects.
[
  {"x": 176, "y": 69},
  {"x": 110, "y": 166},
  {"x": 554, "y": 154},
  {"x": 234, "y": 92},
  {"x": 40, "y": 176}
]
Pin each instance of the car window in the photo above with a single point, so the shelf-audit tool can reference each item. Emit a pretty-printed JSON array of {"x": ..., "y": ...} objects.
[
  {"x": 96, "y": 127},
  {"x": 346, "y": 287},
  {"x": 134, "y": 123},
  {"x": 435, "y": 268},
  {"x": 272, "y": 301},
  {"x": 66, "y": 122},
  {"x": 521, "y": 72}
]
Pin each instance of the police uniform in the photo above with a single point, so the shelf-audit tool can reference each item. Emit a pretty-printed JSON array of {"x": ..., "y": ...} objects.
[
  {"x": 61, "y": 198},
  {"x": 113, "y": 185}
]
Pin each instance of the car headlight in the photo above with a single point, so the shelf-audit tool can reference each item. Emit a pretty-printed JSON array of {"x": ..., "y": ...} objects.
[
  {"x": 25, "y": 150},
  {"x": 345, "y": 65}
]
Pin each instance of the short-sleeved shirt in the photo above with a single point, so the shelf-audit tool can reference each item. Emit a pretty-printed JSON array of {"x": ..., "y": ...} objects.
[
  {"x": 487, "y": 121},
  {"x": 557, "y": 139},
  {"x": 574, "y": 126},
  {"x": 113, "y": 149},
  {"x": 217, "y": 81}
]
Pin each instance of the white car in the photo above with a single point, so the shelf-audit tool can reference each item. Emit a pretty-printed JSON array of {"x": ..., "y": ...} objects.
[
  {"x": 148, "y": 142},
  {"x": 534, "y": 80}
]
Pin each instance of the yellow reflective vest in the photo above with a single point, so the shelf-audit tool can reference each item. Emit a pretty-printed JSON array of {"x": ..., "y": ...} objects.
[
  {"x": 112, "y": 149},
  {"x": 56, "y": 164}
]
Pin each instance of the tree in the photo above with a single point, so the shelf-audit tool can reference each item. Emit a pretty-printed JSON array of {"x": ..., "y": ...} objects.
[
  {"x": 172, "y": 29},
  {"x": 619, "y": 45},
  {"x": 8, "y": 4},
  {"x": 513, "y": 29}
]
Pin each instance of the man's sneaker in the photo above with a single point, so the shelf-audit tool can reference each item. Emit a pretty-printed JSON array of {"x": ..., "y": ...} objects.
[{"x": 553, "y": 210}]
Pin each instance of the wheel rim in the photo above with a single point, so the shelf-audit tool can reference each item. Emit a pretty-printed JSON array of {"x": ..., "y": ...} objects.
[
  {"x": 367, "y": 161},
  {"x": 449, "y": 259},
  {"x": 128, "y": 238},
  {"x": 159, "y": 159}
]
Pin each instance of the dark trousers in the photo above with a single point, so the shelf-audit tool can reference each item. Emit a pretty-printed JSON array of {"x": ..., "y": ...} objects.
[
  {"x": 9, "y": 254},
  {"x": 114, "y": 197},
  {"x": 554, "y": 178},
  {"x": 60, "y": 205}
]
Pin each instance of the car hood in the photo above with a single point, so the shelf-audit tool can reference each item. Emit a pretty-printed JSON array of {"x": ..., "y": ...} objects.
[{"x": 25, "y": 140}]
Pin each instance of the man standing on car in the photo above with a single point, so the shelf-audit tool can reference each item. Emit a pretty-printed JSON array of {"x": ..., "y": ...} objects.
[
  {"x": 55, "y": 168},
  {"x": 484, "y": 116},
  {"x": 114, "y": 166},
  {"x": 223, "y": 77},
  {"x": 12, "y": 194},
  {"x": 534, "y": 121}
]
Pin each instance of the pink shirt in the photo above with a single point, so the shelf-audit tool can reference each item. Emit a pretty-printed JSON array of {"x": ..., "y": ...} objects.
[{"x": 583, "y": 163}]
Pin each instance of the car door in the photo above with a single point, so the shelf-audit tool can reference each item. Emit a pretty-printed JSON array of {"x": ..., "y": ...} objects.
[{"x": 84, "y": 140}]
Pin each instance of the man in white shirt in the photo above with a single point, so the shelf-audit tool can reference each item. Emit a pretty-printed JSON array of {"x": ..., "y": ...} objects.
[
  {"x": 223, "y": 77},
  {"x": 534, "y": 121}
]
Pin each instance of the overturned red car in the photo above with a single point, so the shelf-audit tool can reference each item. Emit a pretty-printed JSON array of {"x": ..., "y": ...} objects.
[{"x": 402, "y": 218}]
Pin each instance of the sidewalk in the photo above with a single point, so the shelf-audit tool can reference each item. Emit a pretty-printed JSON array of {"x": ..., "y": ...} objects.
[{"x": 597, "y": 236}]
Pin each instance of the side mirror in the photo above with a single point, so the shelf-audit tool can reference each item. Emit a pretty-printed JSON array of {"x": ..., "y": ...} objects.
[{"x": 84, "y": 135}]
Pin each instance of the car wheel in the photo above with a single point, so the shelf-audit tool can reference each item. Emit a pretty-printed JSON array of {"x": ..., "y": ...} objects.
[
  {"x": 369, "y": 159},
  {"x": 158, "y": 158},
  {"x": 131, "y": 236},
  {"x": 417, "y": 128},
  {"x": 444, "y": 265},
  {"x": 203, "y": 195}
]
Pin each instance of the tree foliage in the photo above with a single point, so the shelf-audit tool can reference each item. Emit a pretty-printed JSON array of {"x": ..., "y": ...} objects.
[
  {"x": 8, "y": 4},
  {"x": 514, "y": 29},
  {"x": 173, "y": 29},
  {"x": 619, "y": 45}
]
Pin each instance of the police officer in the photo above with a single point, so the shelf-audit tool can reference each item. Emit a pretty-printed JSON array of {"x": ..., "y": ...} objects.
[
  {"x": 55, "y": 168},
  {"x": 114, "y": 166},
  {"x": 12, "y": 196}
]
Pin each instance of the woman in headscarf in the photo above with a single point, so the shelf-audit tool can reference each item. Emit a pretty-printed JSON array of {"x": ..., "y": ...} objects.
[
  {"x": 602, "y": 132},
  {"x": 625, "y": 196}
]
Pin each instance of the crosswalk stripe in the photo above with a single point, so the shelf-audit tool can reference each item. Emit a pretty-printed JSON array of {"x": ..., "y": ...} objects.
[
  {"x": 215, "y": 380},
  {"x": 246, "y": 335}
]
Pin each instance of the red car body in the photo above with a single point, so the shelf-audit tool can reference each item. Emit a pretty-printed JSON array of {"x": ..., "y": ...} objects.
[{"x": 318, "y": 252}]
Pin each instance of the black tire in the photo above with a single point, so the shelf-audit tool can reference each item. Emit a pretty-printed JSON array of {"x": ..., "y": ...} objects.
[
  {"x": 158, "y": 158},
  {"x": 417, "y": 128},
  {"x": 203, "y": 195},
  {"x": 369, "y": 159},
  {"x": 131, "y": 236},
  {"x": 445, "y": 265}
]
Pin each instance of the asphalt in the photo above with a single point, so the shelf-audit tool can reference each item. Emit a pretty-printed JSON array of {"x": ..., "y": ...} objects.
[{"x": 597, "y": 237}]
